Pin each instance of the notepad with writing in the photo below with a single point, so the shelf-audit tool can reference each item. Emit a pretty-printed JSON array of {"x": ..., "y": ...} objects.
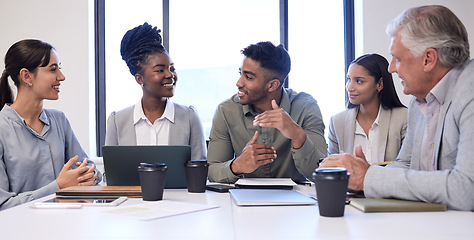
[
  {"x": 99, "y": 192},
  {"x": 394, "y": 205}
]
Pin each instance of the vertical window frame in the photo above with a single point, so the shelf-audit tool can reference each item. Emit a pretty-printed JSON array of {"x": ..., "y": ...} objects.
[{"x": 99, "y": 40}]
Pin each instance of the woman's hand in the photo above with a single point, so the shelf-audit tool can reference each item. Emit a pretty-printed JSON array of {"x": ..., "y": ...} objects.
[{"x": 81, "y": 176}]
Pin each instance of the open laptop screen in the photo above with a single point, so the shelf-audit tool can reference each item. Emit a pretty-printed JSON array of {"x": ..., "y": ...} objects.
[{"x": 121, "y": 163}]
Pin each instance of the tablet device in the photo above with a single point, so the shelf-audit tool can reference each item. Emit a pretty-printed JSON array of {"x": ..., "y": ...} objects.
[{"x": 78, "y": 203}]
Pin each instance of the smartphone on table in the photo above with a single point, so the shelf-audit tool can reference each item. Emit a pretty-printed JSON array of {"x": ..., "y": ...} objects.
[{"x": 222, "y": 188}]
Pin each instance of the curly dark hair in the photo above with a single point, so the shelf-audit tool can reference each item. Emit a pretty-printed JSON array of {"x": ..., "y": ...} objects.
[
  {"x": 273, "y": 58},
  {"x": 138, "y": 44}
]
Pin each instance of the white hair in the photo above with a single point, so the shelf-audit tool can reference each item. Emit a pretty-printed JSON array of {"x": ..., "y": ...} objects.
[{"x": 435, "y": 27}]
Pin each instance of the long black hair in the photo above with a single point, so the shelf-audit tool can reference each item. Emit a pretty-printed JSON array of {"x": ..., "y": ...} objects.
[
  {"x": 138, "y": 44},
  {"x": 29, "y": 54},
  {"x": 377, "y": 66}
]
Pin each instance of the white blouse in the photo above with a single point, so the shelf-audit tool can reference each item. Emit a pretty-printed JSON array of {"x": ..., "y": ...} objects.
[
  {"x": 156, "y": 133},
  {"x": 370, "y": 144}
]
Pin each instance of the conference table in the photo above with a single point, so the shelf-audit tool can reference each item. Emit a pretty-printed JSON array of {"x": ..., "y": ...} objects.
[{"x": 223, "y": 219}]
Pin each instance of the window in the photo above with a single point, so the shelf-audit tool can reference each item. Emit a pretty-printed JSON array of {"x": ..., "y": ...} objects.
[
  {"x": 122, "y": 15},
  {"x": 205, "y": 39},
  {"x": 316, "y": 47}
]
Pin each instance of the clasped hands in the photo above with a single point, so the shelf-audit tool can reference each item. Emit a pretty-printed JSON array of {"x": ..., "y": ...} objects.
[
  {"x": 356, "y": 165},
  {"x": 80, "y": 176},
  {"x": 255, "y": 155}
]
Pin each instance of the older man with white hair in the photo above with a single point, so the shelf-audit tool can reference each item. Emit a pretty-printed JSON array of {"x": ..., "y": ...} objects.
[{"x": 430, "y": 53}]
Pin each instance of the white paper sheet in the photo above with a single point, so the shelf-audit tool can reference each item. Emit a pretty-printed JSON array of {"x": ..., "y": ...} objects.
[{"x": 158, "y": 209}]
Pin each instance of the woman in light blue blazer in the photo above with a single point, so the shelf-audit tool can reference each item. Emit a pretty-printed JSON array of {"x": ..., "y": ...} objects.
[
  {"x": 39, "y": 152},
  {"x": 375, "y": 118},
  {"x": 154, "y": 120}
]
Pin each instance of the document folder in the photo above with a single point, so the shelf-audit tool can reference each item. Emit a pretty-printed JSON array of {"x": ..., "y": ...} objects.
[
  {"x": 99, "y": 192},
  {"x": 394, "y": 205}
]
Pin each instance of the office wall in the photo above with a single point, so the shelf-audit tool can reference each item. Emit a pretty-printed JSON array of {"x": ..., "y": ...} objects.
[
  {"x": 68, "y": 27},
  {"x": 372, "y": 17}
]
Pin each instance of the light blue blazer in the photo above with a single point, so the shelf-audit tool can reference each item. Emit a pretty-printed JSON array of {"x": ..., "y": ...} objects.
[
  {"x": 186, "y": 130},
  {"x": 391, "y": 129},
  {"x": 453, "y": 182}
]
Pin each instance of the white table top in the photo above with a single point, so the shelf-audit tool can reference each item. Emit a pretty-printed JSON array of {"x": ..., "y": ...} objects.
[{"x": 230, "y": 221}]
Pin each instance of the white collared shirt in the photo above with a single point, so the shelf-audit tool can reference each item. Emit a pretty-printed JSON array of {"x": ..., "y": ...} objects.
[
  {"x": 370, "y": 144},
  {"x": 156, "y": 133}
]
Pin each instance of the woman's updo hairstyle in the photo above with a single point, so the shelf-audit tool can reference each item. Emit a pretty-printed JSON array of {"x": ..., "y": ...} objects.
[{"x": 138, "y": 44}]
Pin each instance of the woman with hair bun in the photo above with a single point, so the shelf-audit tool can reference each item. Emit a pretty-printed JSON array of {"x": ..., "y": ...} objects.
[
  {"x": 38, "y": 148},
  {"x": 375, "y": 120},
  {"x": 154, "y": 120}
]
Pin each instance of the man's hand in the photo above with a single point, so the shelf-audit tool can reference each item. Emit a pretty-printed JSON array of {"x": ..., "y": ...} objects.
[
  {"x": 356, "y": 165},
  {"x": 253, "y": 156},
  {"x": 279, "y": 119}
]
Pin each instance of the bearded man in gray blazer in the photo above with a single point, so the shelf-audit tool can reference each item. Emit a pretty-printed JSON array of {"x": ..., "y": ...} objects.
[{"x": 430, "y": 53}]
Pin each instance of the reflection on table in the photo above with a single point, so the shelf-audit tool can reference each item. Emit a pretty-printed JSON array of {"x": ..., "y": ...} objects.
[{"x": 225, "y": 220}]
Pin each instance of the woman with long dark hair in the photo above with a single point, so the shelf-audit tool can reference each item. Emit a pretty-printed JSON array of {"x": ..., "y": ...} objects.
[
  {"x": 375, "y": 119},
  {"x": 39, "y": 152}
]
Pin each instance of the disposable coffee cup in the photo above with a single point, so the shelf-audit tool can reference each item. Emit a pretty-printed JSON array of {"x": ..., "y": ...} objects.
[
  {"x": 331, "y": 189},
  {"x": 196, "y": 175},
  {"x": 152, "y": 180}
]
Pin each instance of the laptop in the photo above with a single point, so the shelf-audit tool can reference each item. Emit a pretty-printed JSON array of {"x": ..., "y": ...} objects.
[
  {"x": 269, "y": 197},
  {"x": 121, "y": 163}
]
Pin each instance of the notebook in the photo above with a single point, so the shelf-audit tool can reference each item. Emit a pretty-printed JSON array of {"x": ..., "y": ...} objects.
[
  {"x": 269, "y": 197},
  {"x": 121, "y": 163},
  {"x": 394, "y": 205},
  {"x": 99, "y": 192},
  {"x": 265, "y": 183}
]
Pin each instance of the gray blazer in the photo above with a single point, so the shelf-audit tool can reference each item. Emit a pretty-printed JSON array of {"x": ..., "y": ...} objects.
[
  {"x": 453, "y": 182},
  {"x": 392, "y": 130},
  {"x": 186, "y": 130}
]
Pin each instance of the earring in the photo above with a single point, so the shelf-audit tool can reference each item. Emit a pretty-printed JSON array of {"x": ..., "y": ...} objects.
[{"x": 30, "y": 84}]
